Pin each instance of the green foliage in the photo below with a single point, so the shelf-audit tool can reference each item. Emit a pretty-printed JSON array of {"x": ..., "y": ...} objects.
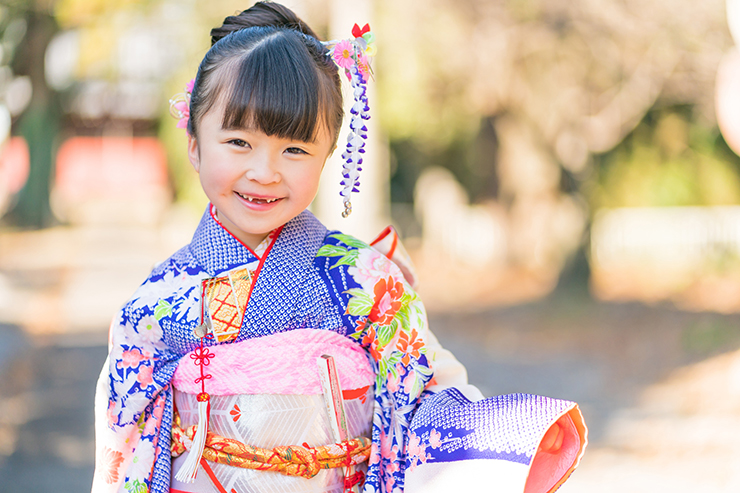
[{"x": 667, "y": 161}]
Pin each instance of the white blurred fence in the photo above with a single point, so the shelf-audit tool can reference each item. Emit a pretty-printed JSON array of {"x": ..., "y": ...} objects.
[{"x": 670, "y": 237}]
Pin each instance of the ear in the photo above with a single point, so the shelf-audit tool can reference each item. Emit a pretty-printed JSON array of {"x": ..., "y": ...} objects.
[{"x": 194, "y": 153}]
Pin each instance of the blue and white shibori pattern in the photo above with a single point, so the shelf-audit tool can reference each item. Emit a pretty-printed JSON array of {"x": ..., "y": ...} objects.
[{"x": 506, "y": 427}]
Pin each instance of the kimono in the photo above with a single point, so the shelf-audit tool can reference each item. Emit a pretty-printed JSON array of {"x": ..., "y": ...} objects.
[{"x": 428, "y": 427}]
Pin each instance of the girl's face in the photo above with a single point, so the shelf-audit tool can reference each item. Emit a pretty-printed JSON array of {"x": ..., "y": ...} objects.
[{"x": 256, "y": 182}]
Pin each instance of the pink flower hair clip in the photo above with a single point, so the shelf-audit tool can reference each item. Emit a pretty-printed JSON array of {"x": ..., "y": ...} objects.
[
  {"x": 354, "y": 55},
  {"x": 180, "y": 105}
]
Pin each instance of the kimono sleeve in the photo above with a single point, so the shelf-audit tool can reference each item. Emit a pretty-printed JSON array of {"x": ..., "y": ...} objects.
[{"x": 133, "y": 404}]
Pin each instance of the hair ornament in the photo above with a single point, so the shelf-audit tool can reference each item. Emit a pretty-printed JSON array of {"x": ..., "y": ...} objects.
[
  {"x": 180, "y": 105},
  {"x": 353, "y": 55}
]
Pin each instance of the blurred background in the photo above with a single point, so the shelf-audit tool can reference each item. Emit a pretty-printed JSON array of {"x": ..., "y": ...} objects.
[{"x": 564, "y": 174}]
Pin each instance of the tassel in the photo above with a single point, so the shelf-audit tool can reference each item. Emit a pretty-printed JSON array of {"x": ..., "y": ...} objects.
[{"x": 189, "y": 469}]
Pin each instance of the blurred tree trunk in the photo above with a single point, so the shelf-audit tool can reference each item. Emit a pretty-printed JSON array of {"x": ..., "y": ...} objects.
[{"x": 40, "y": 123}]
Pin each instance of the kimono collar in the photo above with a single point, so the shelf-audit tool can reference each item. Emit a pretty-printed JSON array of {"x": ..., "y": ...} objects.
[
  {"x": 282, "y": 278},
  {"x": 217, "y": 250}
]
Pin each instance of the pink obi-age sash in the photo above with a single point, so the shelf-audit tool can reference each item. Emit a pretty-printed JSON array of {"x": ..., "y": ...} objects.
[{"x": 266, "y": 392}]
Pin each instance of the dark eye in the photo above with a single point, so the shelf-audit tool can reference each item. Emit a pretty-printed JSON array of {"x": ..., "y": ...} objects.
[
  {"x": 239, "y": 142},
  {"x": 295, "y": 150}
]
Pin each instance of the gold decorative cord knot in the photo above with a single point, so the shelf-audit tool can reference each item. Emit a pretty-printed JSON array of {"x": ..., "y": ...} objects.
[{"x": 292, "y": 460}]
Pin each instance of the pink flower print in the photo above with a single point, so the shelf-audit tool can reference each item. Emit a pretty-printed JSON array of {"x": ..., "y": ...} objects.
[
  {"x": 374, "y": 455},
  {"x": 435, "y": 439},
  {"x": 393, "y": 382},
  {"x": 145, "y": 376},
  {"x": 409, "y": 381},
  {"x": 189, "y": 86},
  {"x": 131, "y": 358},
  {"x": 417, "y": 451},
  {"x": 343, "y": 52},
  {"x": 150, "y": 426},
  {"x": 372, "y": 265},
  {"x": 111, "y": 413},
  {"x": 390, "y": 481},
  {"x": 385, "y": 444},
  {"x": 393, "y": 466}
]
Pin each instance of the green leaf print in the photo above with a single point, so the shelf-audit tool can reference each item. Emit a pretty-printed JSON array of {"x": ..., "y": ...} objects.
[
  {"x": 331, "y": 251},
  {"x": 385, "y": 366},
  {"x": 402, "y": 316},
  {"x": 360, "y": 303},
  {"x": 135, "y": 486},
  {"x": 349, "y": 259},
  {"x": 350, "y": 241},
  {"x": 386, "y": 333},
  {"x": 163, "y": 309}
]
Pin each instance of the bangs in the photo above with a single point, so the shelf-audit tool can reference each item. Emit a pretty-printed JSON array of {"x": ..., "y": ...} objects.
[{"x": 275, "y": 88}]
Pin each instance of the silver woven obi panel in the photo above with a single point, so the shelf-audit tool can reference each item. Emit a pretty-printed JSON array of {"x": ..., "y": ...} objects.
[{"x": 270, "y": 420}]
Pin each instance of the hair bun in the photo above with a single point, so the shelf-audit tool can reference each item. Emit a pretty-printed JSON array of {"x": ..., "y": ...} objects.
[{"x": 261, "y": 14}]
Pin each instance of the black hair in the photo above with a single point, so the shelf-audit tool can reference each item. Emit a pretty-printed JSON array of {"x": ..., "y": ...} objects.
[{"x": 270, "y": 73}]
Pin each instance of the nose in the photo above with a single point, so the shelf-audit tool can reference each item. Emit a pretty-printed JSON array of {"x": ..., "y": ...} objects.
[{"x": 262, "y": 168}]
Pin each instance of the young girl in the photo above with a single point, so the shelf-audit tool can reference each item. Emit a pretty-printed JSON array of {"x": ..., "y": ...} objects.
[{"x": 212, "y": 384}]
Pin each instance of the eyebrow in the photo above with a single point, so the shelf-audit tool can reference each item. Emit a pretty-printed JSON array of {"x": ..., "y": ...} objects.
[{"x": 253, "y": 129}]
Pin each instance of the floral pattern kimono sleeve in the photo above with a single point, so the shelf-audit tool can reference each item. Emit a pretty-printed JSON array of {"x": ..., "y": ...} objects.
[
  {"x": 133, "y": 407},
  {"x": 427, "y": 419},
  {"x": 388, "y": 319}
]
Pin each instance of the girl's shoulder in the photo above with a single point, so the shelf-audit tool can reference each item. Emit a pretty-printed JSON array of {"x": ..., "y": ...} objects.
[
  {"x": 170, "y": 279},
  {"x": 383, "y": 257}
]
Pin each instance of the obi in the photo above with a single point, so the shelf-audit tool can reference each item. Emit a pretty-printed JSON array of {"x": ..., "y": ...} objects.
[{"x": 269, "y": 428}]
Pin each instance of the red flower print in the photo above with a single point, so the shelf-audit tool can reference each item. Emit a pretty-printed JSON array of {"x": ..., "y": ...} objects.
[
  {"x": 360, "y": 324},
  {"x": 409, "y": 346},
  {"x": 236, "y": 413},
  {"x": 370, "y": 340},
  {"x": 361, "y": 394},
  {"x": 387, "y": 301},
  {"x": 112, "y": 460}
]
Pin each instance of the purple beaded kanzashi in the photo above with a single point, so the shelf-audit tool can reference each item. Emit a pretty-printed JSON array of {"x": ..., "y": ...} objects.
[
  {"x": 356, "y": 140},
  {"x": 354, "y": 55}
]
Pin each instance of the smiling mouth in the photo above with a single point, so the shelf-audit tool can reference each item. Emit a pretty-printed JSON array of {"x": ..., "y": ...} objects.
[{"x": 256, "y": 200}]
